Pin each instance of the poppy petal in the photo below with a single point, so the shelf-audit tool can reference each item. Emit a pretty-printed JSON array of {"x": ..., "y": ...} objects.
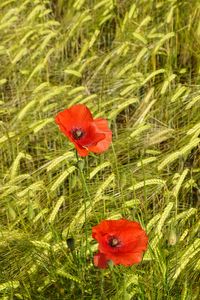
[
  {"x": 100, "y": 260},
  {"x": 102, "y": 145},
  {"x": 76, "y": 116},
  {"x": 81, "y": 113},
  {"x": 64, "y": 120},
  {"x": 107, "y": 226},
  {"x": 101, "y": 125},
  {"x": 81, "y": 151},
  {"x": 91, "y": 137},
  {"x": 127, "y": 259}
]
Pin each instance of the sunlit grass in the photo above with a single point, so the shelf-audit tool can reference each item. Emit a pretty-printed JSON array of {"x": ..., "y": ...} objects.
[{"x": 135, "y": 63}]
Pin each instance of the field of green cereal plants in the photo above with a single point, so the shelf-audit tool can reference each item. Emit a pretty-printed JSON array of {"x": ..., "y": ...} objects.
[{"x": 135, "y": 63}]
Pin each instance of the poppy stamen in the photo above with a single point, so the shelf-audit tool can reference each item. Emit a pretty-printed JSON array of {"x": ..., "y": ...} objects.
[
  {"x": 77, "y": 133},
  {"x": 114, "y": 242}
]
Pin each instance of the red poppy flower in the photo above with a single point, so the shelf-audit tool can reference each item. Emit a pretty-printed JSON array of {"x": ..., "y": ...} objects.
[
  {"x": 121, "y": 241},
  {"x": 86, "y": 133}
]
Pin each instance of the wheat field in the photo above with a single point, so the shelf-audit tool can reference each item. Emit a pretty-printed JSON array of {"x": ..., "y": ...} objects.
[{"x": 137, "y": 64}]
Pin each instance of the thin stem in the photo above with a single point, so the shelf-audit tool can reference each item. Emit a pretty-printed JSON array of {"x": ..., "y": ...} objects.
[
  {"x": 86, "y": 196},
  {"x": 85, "y": 188}
]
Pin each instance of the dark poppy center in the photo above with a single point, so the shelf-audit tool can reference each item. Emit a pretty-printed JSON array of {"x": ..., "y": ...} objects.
[
  {"x": 113, "y": 242},
  {"x": 77, "y": 133}
]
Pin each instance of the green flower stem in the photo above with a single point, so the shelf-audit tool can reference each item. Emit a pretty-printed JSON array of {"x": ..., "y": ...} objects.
[{"x": 86, "y": 196}]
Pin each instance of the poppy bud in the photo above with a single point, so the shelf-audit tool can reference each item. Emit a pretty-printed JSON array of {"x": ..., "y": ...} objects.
[
  {"x": 71, "y": 243},
  {"x": 81, "y": 164},
  {"x": 172, "y": 238}
]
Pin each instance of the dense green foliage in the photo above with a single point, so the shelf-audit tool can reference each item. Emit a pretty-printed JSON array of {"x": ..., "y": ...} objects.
[{"x": 136, "y": 63}]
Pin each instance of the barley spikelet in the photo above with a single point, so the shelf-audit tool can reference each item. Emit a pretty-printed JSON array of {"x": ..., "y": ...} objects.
[
  {"x": 191, "y": 251},
  {"x": 56, "y": 209},
  {"x": 163, "y": 218},
  {"x": 121, "y": 107},
  {"x": 152, "y": 222},
  {"x": 168, "y": 160},
  {"x": 166, "y": 83},
  {"x": 62, "y": 177},
  {"x": 147, "y": 182},
  {"x": 58, "y": 160},
  {"x": 31, "y": 189},
  {"x": 139, "y": 130},
  {"x": 9, "y": 285},
  {"x": 146, "y": 161},
  {"x": 64, "y": 274},
  {"x": 180, "y": 91},
  {"x": 15, "y": 165},
  {"x": 99, "y": 168},
  {"x": 42, "y": 124},
  {"x": 153, "y": 74},
  {"x": 192, "y": 102},
  {"x": 195, "y": 128},
  {"x": 176, "y": 189},
  {"x": 104, "y": 186},
  {"x": 162, "y": 41},
  {"x": 192, "y": 144}
]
